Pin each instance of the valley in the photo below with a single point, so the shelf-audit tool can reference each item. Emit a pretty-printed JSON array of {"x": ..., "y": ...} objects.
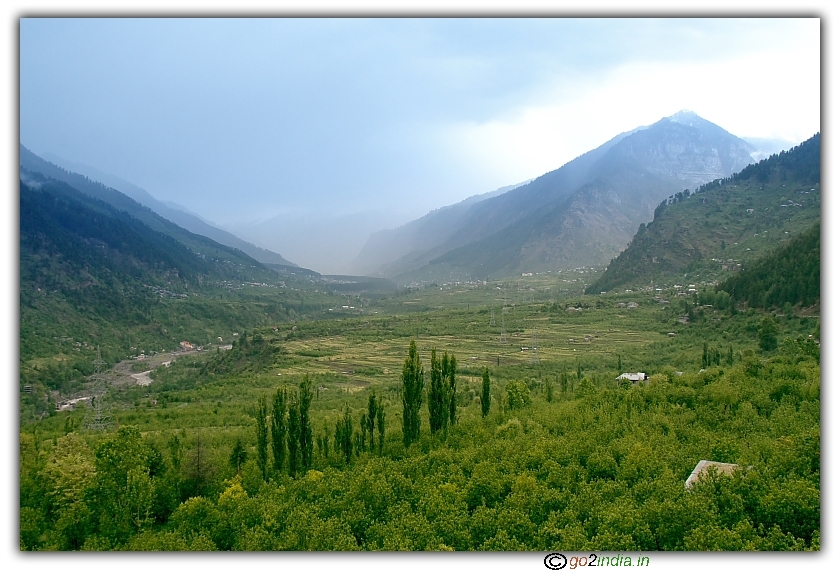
[
  {"x": 559, "y": 405},
  {"x": 561, "y": 463}
]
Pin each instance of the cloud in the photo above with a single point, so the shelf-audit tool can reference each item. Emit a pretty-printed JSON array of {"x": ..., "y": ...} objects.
[{"x": 772, "y": 94}]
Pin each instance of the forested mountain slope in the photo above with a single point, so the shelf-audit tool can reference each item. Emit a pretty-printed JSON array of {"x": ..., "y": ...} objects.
[
  {"x": 723, "y": 226},
  {"x": 174, "y": 213},
  {"x": 789, "y": 276},
  {"x": 184, "y": 227},
  {"x": 93, "y": 275}
]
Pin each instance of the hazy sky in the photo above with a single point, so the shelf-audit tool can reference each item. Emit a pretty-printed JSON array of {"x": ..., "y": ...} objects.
[
  {"x": 382, "y": 120},
  {"x": 246, "y": 118}
]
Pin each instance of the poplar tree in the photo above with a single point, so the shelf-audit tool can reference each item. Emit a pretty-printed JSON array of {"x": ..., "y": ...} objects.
[
  {"x": 412, "y": 396},
  {"x": 278, "y": 429},
  {"x": 371, "y": 418},
  {"x": 361, "y": 438},
  {"x": 380, "y": 424},
  {"x": 305, "y": 424},
  {"x": 485, "y": 393},
  {"x": 450, "y": 369},
  {"x": 344, "y": 435},
  {"x": 294, "y": 436},
  {"x": 324, "y": 442},
  {"x": 438, "y": 408},
  {"x": 238, "y": 456},
  {"x": 262, "y": 436}
]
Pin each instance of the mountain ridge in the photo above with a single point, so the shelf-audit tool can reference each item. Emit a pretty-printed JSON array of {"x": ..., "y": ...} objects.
[
  {"x": 585, "y": 212},
  {"x": 724, "y": 225},
  {"x": 175, "y": 213}
]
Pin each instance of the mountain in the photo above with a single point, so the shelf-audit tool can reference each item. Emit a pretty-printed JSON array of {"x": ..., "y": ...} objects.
[
  {"x": 386, "y": 246},
  {"x": 92, "y": 241},
  {"x": 63, "y": 170},
  {"x": 725, "y": 225},
  {"x": 585, "y": 212},
  {"x": 94, "y": 277},
  {"x": 83, "y": 258},
  {"x": 486, "y": 217}
]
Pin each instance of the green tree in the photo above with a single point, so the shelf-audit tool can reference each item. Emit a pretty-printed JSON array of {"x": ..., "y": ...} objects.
[
  {"x": 371, "y": 418},
  {"x": 198, "y": 469},
  {"x": 768, "y": 338},
  {"x": 262, "y": 435},
  {"x": 278, "y": 429},
  {"x": 238, "y": 456},
  {"x": 412, "y": 395},
  {"x": 324, "y": 442},
  {"x": 485, "y": 392},
  {"x": 518, "y": 395},
  {"x": 450, "y": 376},
  {"x": 344, "y": 435},
  {"x": 380, "y": 424},
  {"x": 294, "y": 436},
  {"x": 438, "y": 406},
  {"x": 69, "y": 474},
  {"x": 305, "y": 423},
  {"x": 123, "y": 490},
  {"x": 361, "y": 437}
]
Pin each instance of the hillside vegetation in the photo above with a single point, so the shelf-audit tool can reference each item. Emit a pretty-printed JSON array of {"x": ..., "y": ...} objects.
[
  {"x": 789, "y": 276},
  {"x": 93, "y": 276},
  {"x": 723, "y": 226},
  {"x": 567, "y": 458}
]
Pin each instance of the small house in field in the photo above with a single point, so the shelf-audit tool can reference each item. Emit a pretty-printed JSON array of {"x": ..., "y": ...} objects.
[
  {"x": 634, "y": 377},
  {"x": 703, "y": 466},
  {"x": 185, "y": 345}
]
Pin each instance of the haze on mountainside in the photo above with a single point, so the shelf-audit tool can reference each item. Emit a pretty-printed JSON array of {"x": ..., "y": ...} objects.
[
  {"x": 581, "y": 214},
  {"x": 304, "y": 135},
  {"x": 726, "y": 226},
  {"x": 173, "y": 212}
]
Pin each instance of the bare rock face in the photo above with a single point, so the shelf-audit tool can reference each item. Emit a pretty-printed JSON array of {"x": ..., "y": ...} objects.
[{"x": 686, "y": 148}]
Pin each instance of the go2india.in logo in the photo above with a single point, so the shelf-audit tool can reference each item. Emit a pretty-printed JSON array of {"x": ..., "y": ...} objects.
[{"x": 558, "y": 561}]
